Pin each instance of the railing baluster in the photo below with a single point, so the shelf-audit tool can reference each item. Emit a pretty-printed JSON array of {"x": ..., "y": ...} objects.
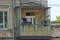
[{"x": 34, "y": 30}]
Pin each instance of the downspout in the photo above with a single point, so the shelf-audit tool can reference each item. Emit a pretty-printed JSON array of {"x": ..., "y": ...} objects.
[
  {"x": 20, "y": 18},
  {"x": 13, "y": 19}
]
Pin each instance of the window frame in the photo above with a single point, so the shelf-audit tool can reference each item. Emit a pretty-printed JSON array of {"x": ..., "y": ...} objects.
[
  {"x": 4, "y": 10},
  {"x": 32, "y": 17}
]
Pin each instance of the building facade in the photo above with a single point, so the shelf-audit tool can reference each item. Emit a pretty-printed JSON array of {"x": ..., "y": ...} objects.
[
  {"x": 34, "y": 20},
  {"x": 31, "y": 20},
  {"x": 55, "y": 30},
  {"x": 5, "y": 19}
]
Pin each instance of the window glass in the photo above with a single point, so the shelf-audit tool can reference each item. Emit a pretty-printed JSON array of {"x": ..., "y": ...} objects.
[
  {"x": 5, "y": 16},
  {"x": 1, "y": 19},
  {"x": 27, "y": 14}
]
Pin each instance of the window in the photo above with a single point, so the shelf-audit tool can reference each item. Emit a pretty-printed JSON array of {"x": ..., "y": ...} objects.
[
  {"x": 3, "y": 19},
  {"x": 29, "y": 18},
  {"x": 29, "y": 14}
]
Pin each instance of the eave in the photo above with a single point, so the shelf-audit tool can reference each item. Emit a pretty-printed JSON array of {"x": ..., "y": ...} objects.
[{"x": 33, "y": 7}]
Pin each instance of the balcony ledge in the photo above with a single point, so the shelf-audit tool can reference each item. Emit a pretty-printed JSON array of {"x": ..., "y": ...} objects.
[{"x": 34, "y": 37}]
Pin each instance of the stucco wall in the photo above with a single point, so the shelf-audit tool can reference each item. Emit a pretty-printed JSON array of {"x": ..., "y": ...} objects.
[
  {"x": 55, "y": 39},
  {"x": 55, "y": 30}
]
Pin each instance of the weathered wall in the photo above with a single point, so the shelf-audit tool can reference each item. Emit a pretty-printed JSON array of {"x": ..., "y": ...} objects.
[
  {"x": 55, "y": 30},
  {"x": 5, "y": 33},
  {"x": 55, "y": 39}
]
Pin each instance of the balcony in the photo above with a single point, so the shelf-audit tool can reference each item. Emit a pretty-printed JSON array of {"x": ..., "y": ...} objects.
[{"x": 33, "y": 30}]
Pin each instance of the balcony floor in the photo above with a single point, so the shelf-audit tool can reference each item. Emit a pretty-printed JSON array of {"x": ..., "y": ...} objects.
[{"x": 34, "y": 37}]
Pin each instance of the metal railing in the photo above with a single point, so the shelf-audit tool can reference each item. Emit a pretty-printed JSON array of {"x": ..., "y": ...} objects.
[{"x": 33, "y": 30}]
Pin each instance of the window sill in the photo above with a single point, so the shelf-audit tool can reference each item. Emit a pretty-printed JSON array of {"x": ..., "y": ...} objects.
[
  {"x": 30, "y": 16},
  {"x": 3, "y": 29}
]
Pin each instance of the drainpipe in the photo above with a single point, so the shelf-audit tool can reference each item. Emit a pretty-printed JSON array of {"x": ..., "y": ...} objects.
[
  {"x": 20, "y": 17},
  {"x": 13, "y": 19}
]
